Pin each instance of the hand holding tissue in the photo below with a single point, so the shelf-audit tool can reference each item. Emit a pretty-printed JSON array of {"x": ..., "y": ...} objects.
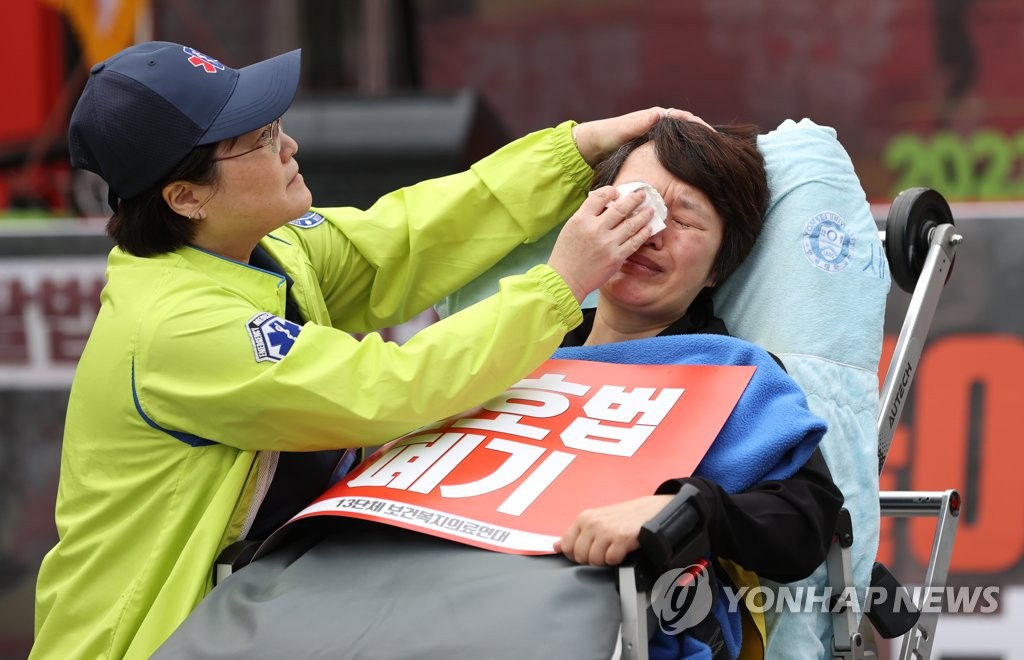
[{"x": 653, "y": 200}]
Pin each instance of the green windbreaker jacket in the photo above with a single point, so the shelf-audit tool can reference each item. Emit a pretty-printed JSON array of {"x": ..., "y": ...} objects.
[{"x": 192, "y": 380}]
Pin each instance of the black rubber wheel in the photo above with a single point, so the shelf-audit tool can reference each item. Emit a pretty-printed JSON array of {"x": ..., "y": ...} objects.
[{"x": 913, "y": 215}]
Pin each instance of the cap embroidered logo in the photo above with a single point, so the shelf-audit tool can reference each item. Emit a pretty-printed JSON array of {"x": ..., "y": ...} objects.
[{"x": 198, "y": 59}]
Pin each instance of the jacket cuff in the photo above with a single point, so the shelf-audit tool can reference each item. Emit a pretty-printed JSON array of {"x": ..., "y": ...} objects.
[
  {"x": 569, "y": 155},
  {"x": 565, "y": 302}
]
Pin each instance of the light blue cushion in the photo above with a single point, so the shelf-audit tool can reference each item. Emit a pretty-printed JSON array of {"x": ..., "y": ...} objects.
[{"x": 813, "y": 292}]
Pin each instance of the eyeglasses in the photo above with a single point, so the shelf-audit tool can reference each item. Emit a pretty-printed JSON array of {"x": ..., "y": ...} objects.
[{"x": 270, "y": 137}]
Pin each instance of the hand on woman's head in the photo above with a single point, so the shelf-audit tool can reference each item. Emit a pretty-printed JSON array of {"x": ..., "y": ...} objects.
[
  {"x": 596, "y": 140},
  {"x": 676, "y": 113}
]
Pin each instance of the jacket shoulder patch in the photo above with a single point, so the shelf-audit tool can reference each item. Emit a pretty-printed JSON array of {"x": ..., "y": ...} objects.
[
  {"x": 308, "y": 221},
  {"x": 271, "y": 336}
]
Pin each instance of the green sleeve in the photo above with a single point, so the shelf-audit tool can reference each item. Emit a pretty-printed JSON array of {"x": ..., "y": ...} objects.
[
  {"x": 332, "y": 390},
  {"x": 384, "y": 265}
]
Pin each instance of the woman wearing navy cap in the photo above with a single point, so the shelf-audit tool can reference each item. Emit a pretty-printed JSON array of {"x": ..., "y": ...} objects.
[{"x": 220, "y": 389}]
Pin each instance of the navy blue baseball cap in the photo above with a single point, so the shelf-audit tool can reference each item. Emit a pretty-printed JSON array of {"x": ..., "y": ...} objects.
[{"x": 144, "y": 109}]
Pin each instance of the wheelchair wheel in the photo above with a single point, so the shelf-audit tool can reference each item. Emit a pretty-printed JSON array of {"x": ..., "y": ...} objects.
[{"x": 913, "y": 215}]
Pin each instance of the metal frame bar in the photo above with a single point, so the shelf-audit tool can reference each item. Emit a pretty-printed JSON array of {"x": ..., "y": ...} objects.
[
  {"x": 944, "y": 505},
  {"x": 847, "y": 642},
  {"x": 903, "y": 366},
  {"x": 634, "y": 604}
]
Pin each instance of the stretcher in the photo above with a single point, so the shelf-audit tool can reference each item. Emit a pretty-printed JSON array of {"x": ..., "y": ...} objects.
[
  {"x": 920, "y": 246},
  {"x": 368, "y": 590}
]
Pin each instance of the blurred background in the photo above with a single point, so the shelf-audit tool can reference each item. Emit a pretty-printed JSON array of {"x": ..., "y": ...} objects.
[{"x": 924, "y": 93}]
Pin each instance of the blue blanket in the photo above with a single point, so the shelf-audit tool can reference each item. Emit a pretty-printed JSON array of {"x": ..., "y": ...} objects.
[{"x": 769, "y": 435}]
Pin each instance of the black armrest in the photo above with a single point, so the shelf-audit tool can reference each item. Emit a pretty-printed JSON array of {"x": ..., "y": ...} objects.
[{"x": 677, "y": 536}]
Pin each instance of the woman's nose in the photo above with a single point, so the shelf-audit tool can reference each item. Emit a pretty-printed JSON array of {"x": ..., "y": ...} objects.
[
  {"x": 655, "y": 241},
  {"x": 289, "y": 144}
]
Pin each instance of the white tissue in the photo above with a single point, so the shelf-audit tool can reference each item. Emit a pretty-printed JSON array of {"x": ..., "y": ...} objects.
[{"x": 652, "y": 200}]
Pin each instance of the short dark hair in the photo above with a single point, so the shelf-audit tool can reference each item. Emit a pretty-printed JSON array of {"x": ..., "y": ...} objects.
[
  {"x": 725, "y": 164},
  {"x": 146, "y": 226}
]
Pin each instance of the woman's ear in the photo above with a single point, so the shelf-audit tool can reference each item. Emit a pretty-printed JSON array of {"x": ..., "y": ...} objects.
[{"x": 182, "y": 198}]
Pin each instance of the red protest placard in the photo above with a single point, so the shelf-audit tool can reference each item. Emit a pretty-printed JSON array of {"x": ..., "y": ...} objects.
[{"x": 513, "y": 474}]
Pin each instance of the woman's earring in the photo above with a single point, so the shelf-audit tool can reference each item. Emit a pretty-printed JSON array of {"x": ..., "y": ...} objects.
[{"x": 194, "y": 213}]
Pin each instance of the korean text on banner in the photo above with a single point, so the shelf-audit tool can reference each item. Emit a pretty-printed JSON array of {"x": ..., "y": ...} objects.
[{"x": 512, "y": 475}]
